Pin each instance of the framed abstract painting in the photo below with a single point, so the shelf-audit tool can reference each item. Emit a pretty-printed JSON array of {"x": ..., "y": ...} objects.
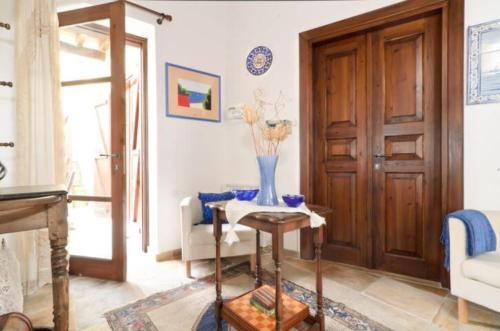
[
  {"x": 192, "y": 94},
  {"x": 483, "y": 82}
]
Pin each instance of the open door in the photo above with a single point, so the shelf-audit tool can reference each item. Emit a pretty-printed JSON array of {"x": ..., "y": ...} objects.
[{"x": 92, "y": 55}]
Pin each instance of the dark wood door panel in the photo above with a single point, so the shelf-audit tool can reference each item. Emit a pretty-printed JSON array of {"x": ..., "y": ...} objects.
[
  {"x": 406, "y": 108},
  {"x": 403, "y": 77},
  {"x": 407, "y": 147},
  {"x": 341, "y": 149},
  {"x": 340, "y": 146},
  {"x": 340, "y": 88},
  {"x": 422, "y": 81},
  {"x": 404, "y": 218},
  {"x": 341, "y": 193}
]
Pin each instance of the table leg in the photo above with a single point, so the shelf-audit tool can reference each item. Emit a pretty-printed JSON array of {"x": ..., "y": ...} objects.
[
  {"x": 277, "y": 257},
  {"x": 318, "y": 242},
  {"x": 58, "y": 236},
  {"x": 218, "y": 269},
  {"x": 258, "y": 266}
]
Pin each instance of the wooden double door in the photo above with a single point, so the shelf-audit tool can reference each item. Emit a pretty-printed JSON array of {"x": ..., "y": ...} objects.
[{"x": 377, "y": 146}]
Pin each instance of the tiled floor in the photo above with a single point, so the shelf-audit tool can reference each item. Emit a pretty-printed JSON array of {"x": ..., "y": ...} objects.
[{"x": 398, "y": 302}]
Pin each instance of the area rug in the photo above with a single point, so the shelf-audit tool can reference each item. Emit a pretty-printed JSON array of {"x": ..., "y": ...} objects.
[{"x": 190, "y": 307}]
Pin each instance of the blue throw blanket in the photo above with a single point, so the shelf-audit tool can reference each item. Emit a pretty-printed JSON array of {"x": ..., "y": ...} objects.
[{"x": 480, "y": 235}]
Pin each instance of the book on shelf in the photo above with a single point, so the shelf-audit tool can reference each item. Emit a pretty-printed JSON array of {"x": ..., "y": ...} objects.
[
  {"x": 268, "y": 312},
  {"x": 265, "y": 297}
]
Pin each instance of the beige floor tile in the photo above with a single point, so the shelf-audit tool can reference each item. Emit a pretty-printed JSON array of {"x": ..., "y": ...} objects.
[
  {"x": 38, "y": 307},
  {"x": 331, "y": 288},
  {"x": 479, "y": 318},
  {"x": 103, "y": 326},
  {"x": 414, "y": 301},
  {"x": 387, "y": 315},
  {"x": 400, "y": 303},
  {"x": 353, "y": 278}
]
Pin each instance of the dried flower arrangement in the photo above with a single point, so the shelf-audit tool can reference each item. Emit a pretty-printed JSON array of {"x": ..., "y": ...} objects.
[{"x": 265, "y": 119}]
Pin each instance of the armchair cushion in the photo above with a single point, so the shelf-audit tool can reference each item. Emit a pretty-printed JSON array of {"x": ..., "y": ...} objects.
[
  {"x": 203, "y": 234},
  {"x": 211, "y": 197},
  {"x": 484, "y": 268}
]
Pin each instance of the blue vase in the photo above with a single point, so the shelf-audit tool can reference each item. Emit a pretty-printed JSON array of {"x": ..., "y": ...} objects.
[{"x": 267, "y": 193}]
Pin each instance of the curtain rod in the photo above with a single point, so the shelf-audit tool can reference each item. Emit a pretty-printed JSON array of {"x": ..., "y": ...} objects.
[{"x": 161, "y": 17}]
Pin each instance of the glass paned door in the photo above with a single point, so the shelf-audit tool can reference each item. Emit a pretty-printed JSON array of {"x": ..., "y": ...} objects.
[
  {"x": 87, "y": 112},
  {"x": 92, "y": 52}
]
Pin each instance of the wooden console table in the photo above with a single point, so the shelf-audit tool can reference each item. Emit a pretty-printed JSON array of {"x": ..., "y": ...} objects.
[
  {"x": 288, "y": 312},
  {"x": 37, "y": 207}
]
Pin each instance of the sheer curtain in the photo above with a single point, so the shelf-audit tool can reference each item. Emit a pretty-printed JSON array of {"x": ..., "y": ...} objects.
[{"x": 40, "y": 127}]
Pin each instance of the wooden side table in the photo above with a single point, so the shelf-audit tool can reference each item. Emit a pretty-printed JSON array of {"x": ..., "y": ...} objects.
[
  {"x": 288, "y": 312},
  {"x": 37, "y": 207}
]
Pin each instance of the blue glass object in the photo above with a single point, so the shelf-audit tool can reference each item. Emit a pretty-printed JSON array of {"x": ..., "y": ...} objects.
[
  {"x": 246, "y": 195},
  {"x": 293, "y": 200},
  {"x": 211, "y": 197},
  {"x": 267, "y": 167}
]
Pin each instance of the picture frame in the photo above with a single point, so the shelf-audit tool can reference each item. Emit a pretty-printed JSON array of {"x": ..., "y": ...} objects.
[
  {"x": 192, "y": 94},
  {"x": 483, "y": 72}
]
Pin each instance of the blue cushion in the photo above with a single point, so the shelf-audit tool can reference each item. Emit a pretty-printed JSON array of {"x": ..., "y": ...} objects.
[{"x": 211, "y": 197}]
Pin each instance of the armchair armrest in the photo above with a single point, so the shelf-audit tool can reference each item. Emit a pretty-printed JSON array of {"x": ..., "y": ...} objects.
[
  {"x": 458, "y": 251},
  {"x": 494, "y": 217},
  {"x": 458, "y": 246},
  {"x": 190, "y": 211}
]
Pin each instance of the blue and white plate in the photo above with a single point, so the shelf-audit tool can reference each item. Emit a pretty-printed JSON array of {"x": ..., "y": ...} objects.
[{"x": 259, "y": 60}]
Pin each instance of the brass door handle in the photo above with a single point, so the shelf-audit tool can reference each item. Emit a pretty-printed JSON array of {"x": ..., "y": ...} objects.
[
  {"x": 112, "y": 155},
  {"x": 381, "y": 156}
]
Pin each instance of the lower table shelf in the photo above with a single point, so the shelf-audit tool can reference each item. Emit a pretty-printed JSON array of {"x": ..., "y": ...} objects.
[{"x": 241, "y": 314}]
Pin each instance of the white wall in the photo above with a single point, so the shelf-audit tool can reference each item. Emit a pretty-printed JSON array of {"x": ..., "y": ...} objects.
[
  {"x": 216, "y": 37},
  {"x": 191, "y": 156},
  {"x": 184, "y": 156},
  {"x": 275, "y": 25},
  {"x": 481, "y": 129}
]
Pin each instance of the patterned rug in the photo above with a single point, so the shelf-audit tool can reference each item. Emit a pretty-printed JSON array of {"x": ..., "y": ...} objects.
[{"x": 190, "y": 307}]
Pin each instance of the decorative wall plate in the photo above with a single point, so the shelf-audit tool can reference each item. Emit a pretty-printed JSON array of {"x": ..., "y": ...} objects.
[{"x": 259, "y": 60}]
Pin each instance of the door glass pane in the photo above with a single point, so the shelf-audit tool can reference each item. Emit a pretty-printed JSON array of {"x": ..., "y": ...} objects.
[
  {"x": 85, "y": 51},
  {"x": 90, "y": 229},
  {"x": 87, "y": 111}
]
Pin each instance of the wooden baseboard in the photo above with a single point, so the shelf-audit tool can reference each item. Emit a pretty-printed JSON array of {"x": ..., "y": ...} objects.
[{"x": 169, "y": 255}]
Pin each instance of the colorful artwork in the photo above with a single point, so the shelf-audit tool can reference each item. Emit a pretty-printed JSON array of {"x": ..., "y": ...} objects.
[
  {"x": 192, "y": 94},
  {"x": 484, "y": 63}
]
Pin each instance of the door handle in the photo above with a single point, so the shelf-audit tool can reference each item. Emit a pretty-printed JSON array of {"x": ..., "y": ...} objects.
[
  {"x": 381, "y": 156},
  {"x": 112, "y": 155}
]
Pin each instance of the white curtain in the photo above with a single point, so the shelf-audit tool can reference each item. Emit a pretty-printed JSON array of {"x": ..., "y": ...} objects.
[{"x": 40, "y": 127}]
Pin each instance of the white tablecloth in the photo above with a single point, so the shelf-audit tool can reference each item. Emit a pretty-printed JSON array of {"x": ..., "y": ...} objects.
[{"x": 236, "y": 210}]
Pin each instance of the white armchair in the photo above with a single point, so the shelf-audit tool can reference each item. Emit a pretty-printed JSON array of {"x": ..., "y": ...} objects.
[
  {"x": 475, "y": 279},
  {"x": 198, "y": 241}
]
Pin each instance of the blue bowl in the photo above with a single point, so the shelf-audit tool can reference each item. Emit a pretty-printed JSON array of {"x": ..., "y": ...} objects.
[
  {"x": 245, "y": 195},
  {"x": 293, "y": 200}
]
